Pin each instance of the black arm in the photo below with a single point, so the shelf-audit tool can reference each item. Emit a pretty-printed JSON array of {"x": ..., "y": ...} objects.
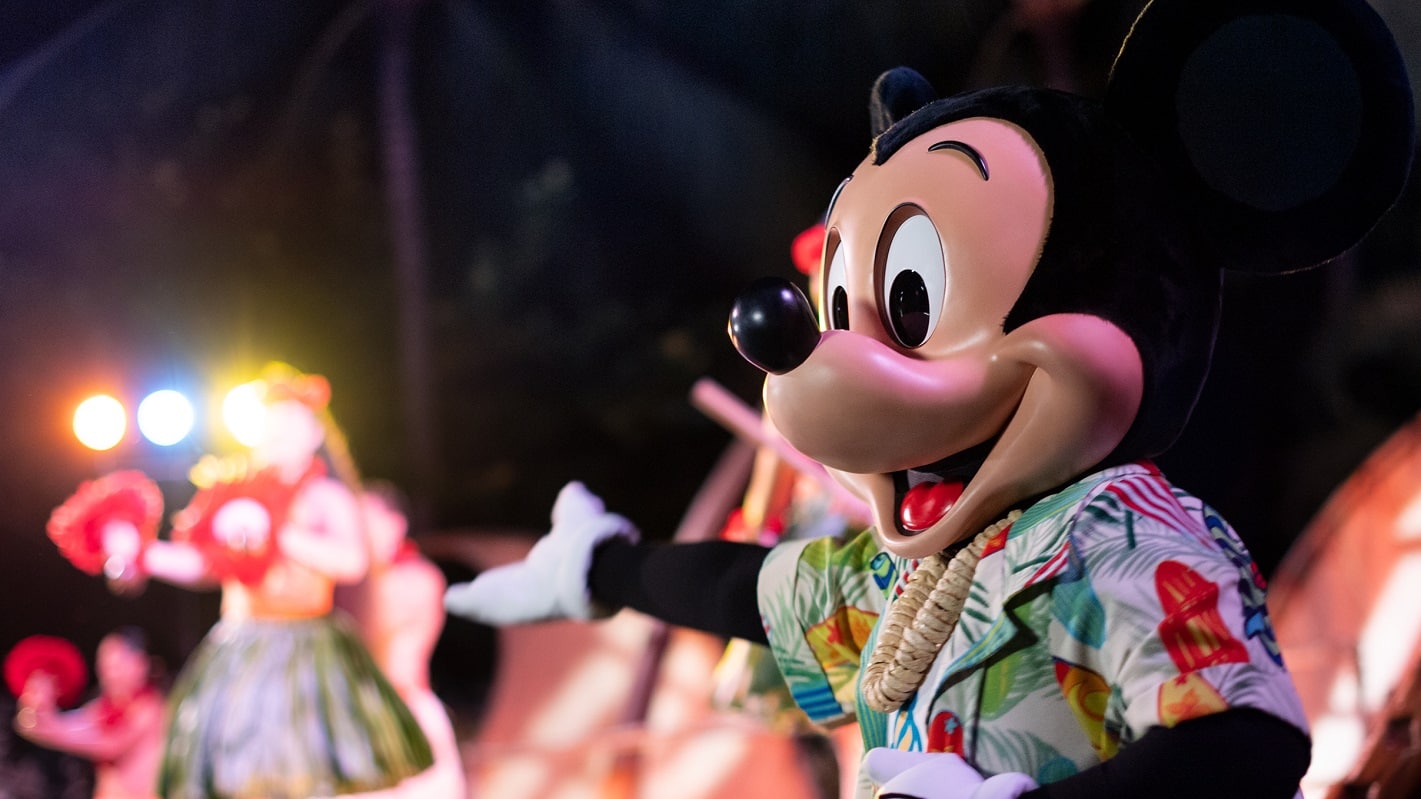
[
  {"x": 707, "y": 586},
  {"x": 1241, "y": 753}
]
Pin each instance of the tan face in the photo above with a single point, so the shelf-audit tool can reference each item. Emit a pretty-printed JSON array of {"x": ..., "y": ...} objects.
[
  {"x": 291, "y": 434},
  {"x": 914, "y": 379},
  {"x": 121, "y": 669}
]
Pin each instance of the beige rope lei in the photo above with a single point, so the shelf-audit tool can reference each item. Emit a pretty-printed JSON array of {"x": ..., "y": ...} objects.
[{"x": 920, "y": 621}]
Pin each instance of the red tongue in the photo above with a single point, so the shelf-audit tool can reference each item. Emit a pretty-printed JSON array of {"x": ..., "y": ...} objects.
[{"x": 925, "y": 503}]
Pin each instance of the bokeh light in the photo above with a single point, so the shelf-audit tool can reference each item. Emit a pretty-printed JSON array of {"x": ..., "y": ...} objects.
[
  {"x": 165, "y": 417},
  {"x": 244, "y": 414},
  {"x": 99, "y": 422}
]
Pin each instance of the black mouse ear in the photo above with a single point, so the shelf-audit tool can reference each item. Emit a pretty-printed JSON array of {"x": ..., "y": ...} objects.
[
  {"x": 896, "y": 94},
  {"x": 1289, "y": 122}
]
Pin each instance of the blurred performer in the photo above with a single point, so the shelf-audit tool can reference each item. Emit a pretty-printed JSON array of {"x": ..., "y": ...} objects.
[
  {"x": 400, "y": 610},
  {"x": 281, "y": 700},
  {"x": 121, "y": 730}
]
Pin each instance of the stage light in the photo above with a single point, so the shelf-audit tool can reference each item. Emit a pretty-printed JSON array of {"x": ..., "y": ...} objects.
[
  {"x": 244, "y": 414},
  {"x": 99, "y": 422},
  {"x": 165, "y": 417}
]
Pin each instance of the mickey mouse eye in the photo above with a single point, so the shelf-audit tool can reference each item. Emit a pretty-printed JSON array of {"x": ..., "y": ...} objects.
[
  {"x": 914, "y": 281},
  {"x": 836, "y": 293}
]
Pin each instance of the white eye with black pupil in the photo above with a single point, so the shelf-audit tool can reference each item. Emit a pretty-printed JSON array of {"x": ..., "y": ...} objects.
[
  {"x": 836, "y": 294},
  {"x": 914, "y": 281}
]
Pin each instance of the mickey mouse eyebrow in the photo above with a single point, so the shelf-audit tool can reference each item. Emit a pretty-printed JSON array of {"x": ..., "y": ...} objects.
[{"x": 967, "y": 150}]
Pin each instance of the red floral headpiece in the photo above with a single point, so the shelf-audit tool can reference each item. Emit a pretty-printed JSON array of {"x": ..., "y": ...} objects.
[{"x": 313, "y": 391}]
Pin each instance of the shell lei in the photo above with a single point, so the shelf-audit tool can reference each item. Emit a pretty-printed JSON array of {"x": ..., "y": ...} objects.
[{"x": 920, "y": 622}]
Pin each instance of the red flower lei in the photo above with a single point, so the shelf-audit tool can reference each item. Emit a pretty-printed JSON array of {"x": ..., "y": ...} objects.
[{"x": 246, "y": 561}]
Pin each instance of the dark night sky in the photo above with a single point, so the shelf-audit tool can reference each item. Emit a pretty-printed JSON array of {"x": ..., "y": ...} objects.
[{"x": 188, "y": 189}]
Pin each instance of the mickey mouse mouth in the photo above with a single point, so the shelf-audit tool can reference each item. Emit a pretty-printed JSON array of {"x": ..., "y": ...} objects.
[{"x": 924, "y": 495}]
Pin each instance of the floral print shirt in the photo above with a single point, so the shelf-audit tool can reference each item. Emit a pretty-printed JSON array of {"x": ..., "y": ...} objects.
[{"x": 1117, "y": 604}]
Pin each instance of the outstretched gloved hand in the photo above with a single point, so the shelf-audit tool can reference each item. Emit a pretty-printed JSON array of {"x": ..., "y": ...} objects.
[
  {"x": 551, "y": 583},
  {"x": 893, "y": 773}
]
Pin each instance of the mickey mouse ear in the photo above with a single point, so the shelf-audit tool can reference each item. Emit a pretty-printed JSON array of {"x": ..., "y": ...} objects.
[
  {"x": 1289, "y": 121},
  {"x": 896, "y": 94}
]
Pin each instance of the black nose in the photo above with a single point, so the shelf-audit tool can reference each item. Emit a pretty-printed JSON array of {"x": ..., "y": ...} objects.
[{"x": 773, "y": 326}]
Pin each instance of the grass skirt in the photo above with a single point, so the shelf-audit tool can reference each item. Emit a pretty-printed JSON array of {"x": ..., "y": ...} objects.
[{"x": 286, "y": 709}]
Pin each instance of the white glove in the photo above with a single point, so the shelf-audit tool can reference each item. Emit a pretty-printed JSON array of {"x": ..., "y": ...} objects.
[
  {"x": 934, "y": 775},
  {"x": 551, "y": 583}
]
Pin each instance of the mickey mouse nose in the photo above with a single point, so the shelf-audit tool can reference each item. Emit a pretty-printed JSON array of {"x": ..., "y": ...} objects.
[{"x": 773, "y": 325}]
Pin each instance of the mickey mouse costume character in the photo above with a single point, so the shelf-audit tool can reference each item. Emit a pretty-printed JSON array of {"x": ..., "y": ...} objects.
[{"x": 1019, "y": 301}]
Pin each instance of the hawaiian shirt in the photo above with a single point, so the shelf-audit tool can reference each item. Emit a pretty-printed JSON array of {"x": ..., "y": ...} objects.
[{"x": 1117, "y": 604}]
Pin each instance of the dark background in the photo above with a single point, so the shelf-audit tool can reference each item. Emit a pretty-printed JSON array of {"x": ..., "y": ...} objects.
[{"x": 189, "y": 188}]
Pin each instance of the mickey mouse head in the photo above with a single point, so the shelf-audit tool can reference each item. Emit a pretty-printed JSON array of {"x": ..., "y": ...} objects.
[{"x": 1020, "y": 285}]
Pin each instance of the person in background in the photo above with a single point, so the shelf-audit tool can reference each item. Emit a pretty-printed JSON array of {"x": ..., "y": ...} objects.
[
  {"x": 399, "y": 608},
  {"x": 121, "y": 730}
]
